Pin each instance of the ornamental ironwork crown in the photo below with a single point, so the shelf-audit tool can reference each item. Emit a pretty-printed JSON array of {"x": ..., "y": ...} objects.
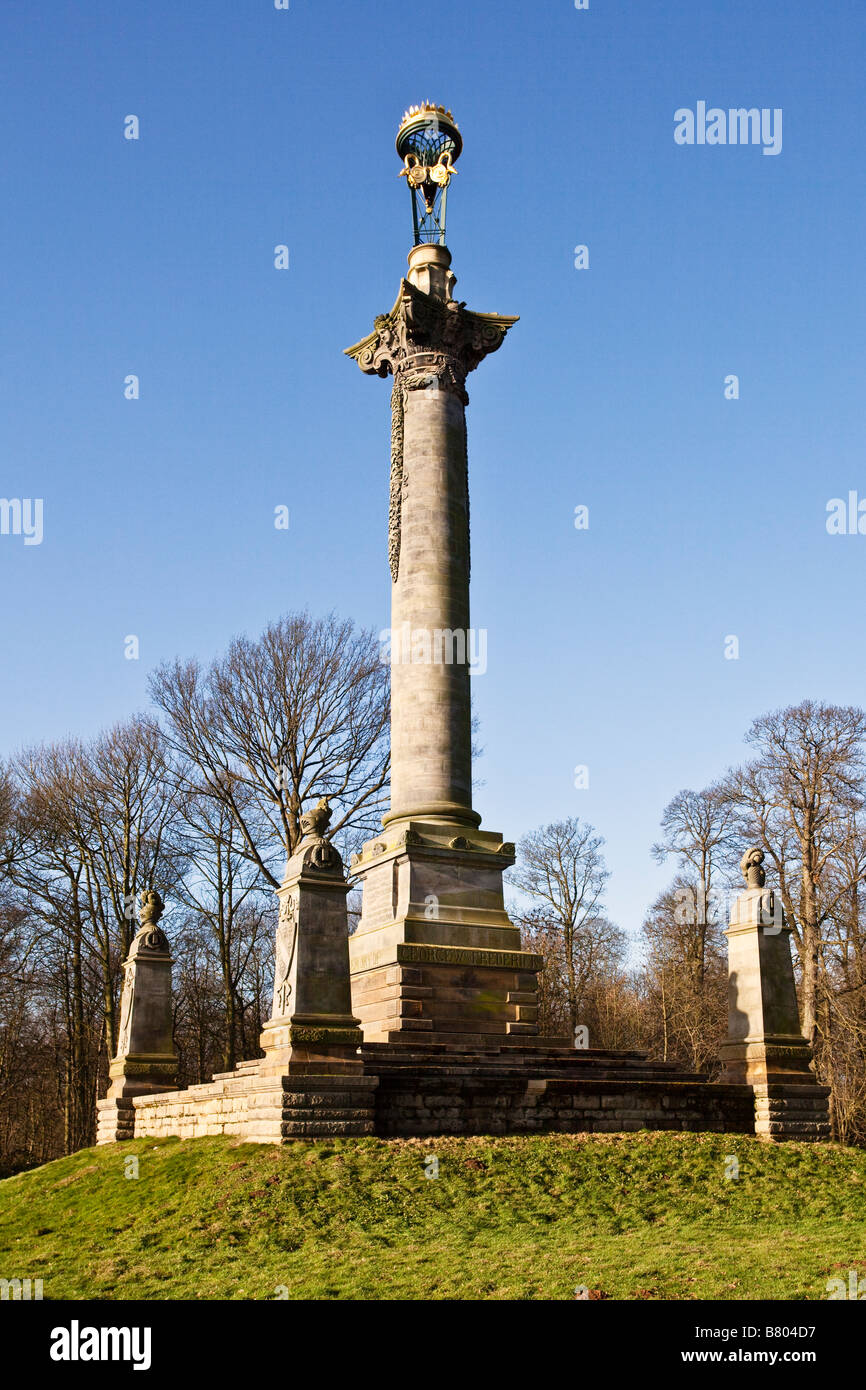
[{"x": 428, "y": 142}]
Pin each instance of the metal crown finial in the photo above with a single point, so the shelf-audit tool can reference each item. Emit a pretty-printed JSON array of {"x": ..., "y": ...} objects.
[{"x": 428, "y": 142}]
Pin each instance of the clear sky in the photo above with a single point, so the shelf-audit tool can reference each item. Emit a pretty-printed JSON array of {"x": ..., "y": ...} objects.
[{"x": 258, "y": 127}]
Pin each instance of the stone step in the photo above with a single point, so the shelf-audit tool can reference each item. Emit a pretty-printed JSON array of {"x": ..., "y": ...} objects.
[
  {"x": 298, "y": 1114},
  {"x": 574, "y": 1070},
  {"x": 248, "y": 1068},
  {"x": 325, "y": 1129},
  {"x": 516, "y": 1048}
]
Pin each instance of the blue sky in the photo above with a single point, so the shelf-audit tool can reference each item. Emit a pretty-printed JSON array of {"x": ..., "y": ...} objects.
[{"x": 260, "y": 127}]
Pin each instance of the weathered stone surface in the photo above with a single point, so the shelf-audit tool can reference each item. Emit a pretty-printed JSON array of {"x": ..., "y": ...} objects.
[
  {"x": 312, "y": 1027},
  {"x": 435, "y": 948},
  {"x": 145, "y": 1060},
  {"x": 765, "y": 1047}
]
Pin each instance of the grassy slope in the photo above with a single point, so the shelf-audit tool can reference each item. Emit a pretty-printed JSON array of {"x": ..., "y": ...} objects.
[{"x": 635, "y": 1216}]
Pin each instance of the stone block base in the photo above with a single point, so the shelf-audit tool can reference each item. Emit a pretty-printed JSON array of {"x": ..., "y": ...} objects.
[
  {"x": 531, "y": 1087},
  {"x": 792, "y": 1112},
  {"x": 448, "y": 989},
  {"x": 262, "y": 1109},
  {"x": 247, "y": 1105},
  {"x": 115, "y": 1120},
  {"x": 460, "y": 1085}
]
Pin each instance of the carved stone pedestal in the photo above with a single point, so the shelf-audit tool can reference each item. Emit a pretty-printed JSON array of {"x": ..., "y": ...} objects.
[
  {"x": 765, "y": 1048},
  {"x": 146, "y": 1061},
  {"x": 312, "y": 1039},
  {"x": 435, "y": 953}
]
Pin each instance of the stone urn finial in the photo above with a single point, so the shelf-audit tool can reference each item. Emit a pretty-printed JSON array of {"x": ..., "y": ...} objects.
[
  {"x": 152, "y": 907},
  {"x": 315, "y": 823},
  {"x": 752, "y": 867}
]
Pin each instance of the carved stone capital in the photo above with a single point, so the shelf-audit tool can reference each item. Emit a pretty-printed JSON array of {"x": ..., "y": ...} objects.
[{"x": 428, "y": 342}]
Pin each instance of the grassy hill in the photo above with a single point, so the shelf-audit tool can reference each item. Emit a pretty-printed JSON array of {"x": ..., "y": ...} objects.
[{"x": 649, "y": 1216}]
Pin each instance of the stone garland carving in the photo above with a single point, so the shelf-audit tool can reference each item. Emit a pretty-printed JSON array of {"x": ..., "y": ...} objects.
[
  {"x": 287, "y": 935},
  {"x": 166, "y": 1068},
  {"x": 466, "y": 495},
  {"x": 396, "y": 497},
  {"x": 125, "y": 1010},
  {"x": 151, "y": 939},
  {"x": 303, "y": 1033}
]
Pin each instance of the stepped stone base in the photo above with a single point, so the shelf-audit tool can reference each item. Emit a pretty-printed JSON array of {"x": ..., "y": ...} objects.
[
  {"x": 461, "y": 1085},
  {"x": 115, "y": 1120},
  {"x": 519, "y": 1086},
  {"x": 248, "y": 1105},
  {"x": 792, "y": 1112}
]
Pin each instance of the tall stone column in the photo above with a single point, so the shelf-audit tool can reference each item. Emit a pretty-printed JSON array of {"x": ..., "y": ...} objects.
[
  {"x": 146, "y": 1060},
  {"x": 765, "y": 1047},
  {"x": 435, "y": 953}
]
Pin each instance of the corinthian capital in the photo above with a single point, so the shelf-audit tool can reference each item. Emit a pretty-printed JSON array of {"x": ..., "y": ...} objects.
[{"x": 425, "y": 338}]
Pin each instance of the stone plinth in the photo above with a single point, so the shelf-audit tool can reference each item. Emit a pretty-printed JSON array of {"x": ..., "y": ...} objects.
[
  {"x": 435, "y": 952},
  {"x": 146, "y": 1060},
  {"x": 765, "y": 1047}
]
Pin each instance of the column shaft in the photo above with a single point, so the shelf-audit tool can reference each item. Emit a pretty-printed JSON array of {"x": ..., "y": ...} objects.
[{"x": 431, "y": 703}]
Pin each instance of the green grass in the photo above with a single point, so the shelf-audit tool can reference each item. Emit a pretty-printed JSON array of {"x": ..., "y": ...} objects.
[{"x": 627, "y": 1216}]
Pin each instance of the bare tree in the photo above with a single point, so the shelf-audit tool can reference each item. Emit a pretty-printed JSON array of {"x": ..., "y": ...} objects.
[
  {"x": 278, "y": 722},
  {"x": 561, "y": 868},
  {"x": 100, "y": 819},
  {"x": 798, "y": 799},
  {"x": 685, "y": 974},
  {"x": 224, "y": 890},
  {"x": 698, "y": 829},
  {"x": 583, "y": 994}
]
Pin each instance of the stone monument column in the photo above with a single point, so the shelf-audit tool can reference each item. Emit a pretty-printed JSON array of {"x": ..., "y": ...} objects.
[
  {"x": 435, "y": 952},
  {"x": 146, "y": 1060},
  {"x": 765, "y": 1047}
]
